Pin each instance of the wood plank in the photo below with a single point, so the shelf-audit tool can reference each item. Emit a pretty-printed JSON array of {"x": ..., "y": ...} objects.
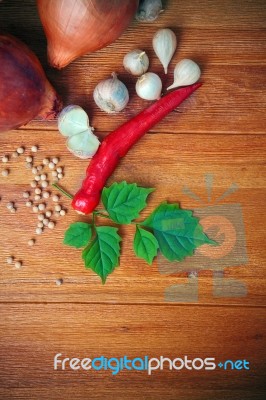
[
  {"x": 233, "y": 64},
  {"x": 182, "y": 161},
  {"x": 218, "y": 134},
  {"x": 231, "y": 100},
  {"x": 31, "y": 335}
]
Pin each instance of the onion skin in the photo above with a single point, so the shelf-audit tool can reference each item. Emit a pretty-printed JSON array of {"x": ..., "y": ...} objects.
[
  {"x": 24, "y": 90},
  {"x": 77, "y": 27}
]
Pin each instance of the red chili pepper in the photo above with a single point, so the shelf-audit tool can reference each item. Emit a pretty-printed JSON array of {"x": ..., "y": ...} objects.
[{"x": 118, "y": 143}]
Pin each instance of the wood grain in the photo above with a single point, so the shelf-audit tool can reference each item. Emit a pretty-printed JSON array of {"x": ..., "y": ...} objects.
[
  {"x": 233, "y": 65},
  {"x": 219, "y": 132},
  {"x": 35, "y": 333},
  {"x": 184, "y": 161}
]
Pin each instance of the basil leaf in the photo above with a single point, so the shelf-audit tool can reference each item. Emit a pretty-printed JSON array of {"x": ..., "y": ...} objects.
[
  {"x": 102, "y": 254},
  {"x": 78, "y": 235},
  {"x": 178, "y": 233},
  {"x": 124, "y": 201},
  {"x": 145, "y": 245}
]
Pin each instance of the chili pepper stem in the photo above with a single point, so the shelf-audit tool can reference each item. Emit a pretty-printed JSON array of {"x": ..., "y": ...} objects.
[{"x": 62, "y": 191}]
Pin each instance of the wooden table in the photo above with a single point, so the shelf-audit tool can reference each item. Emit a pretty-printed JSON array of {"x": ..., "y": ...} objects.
[{"x": 218, "y": 135}]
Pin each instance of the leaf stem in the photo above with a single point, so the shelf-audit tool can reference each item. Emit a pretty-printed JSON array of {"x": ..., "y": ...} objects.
[
  {"x": 93, "y": 219},
  {"x": 100, "y": 214},
  {"x": 62, "y": 191}
]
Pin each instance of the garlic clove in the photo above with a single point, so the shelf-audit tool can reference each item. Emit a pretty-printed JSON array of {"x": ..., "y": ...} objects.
[
  {"x": 111, "y": 95},
  {"x": 164, "y": 44},
  {"x": 149, "y": 86},
  {"x": 83, "y": 145},
  {"x": 136, "y": 62},
  {"x": 72, "y": 120},
  {"x": 186, "y": 73},
  {"x": 149, "y": 10}
]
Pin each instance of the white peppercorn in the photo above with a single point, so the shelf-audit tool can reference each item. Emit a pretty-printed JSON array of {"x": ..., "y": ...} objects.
[
  {"x": 45, "y": 161},
  {"x": 5, "y": 159},
  {"x": 33, "y": 184},
  {"x": 51, "y": 165},
  {"x": 5, "y": 172},
  {"x": 20, "y": 150},
  {"x": 10, "y": 205},
  {"x": 10, "y": 260},
  {"x": 46, "y": 195},
  {"x": 29, "y": 159},
  {"x": 18, "y": 264},
  {"x": 41, "y": 217},
  {"x": 55, "y": 160},
  {"x": 44, "y": 184}
]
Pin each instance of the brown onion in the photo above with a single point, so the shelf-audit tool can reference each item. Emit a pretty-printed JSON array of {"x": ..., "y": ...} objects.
[
  {"x": 24, "y": 90},
  {"x": 76, "y": 27}
]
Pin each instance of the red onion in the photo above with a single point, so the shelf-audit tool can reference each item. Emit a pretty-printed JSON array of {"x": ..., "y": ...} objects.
[{"x": 24, "y": 90}]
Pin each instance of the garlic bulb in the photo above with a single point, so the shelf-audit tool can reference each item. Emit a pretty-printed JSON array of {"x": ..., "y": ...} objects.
[
  {"x": 164, "y": 45},
  {"x": 111, "y": 95},
  {"x": 186, "y": 73},
  {"x": 73, "y": 122},
  {"x": 136, "y": 62},
  {"x": 149, "y": 10},
  {"x": 83, "y": 144},
  {"x": 149, "y": 86}
]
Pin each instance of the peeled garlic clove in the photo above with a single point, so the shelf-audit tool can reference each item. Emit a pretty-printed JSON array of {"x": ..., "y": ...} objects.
[
  {"x": 72, "y": 120},
  {"x": 83, "y": 145},
  {"x": 186, "y": 73},
  {"x": 149, "y": 86},
  {"x": 149, "y": 10},
  {"x": 111, "y": 95},
  {"x": 136, "y": 62},
  {"x": 164, "y": 44}
]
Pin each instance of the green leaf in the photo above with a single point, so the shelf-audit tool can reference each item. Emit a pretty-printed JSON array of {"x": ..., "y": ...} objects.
[
  {"x": 177, "y": 231},
  {"x": 145, "y": 245},
  {"x": 102, "y": 254},
  {"x": 78, "y": 234},
  {"x": 124, "y": 201}
]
